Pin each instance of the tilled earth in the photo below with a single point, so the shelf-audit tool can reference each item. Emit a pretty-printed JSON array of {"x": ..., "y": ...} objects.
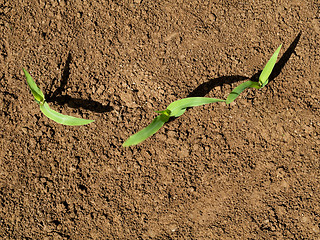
[{"x": 249, "y": 170}]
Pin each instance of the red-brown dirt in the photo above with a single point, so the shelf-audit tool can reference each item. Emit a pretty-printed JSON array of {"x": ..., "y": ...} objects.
[{"x": 249, "y": 170}]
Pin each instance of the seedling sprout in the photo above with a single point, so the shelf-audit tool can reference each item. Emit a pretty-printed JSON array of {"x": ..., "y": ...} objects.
[
  {"x": 175, "y": 109},
  {"x": 263, "y": 78},
  {"x": 47, "y": 111}
]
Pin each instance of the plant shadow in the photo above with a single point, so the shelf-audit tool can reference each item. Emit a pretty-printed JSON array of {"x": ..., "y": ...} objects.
[
  {"x": 72, "y": 102},
  {"x": 204, "y": 88},
  {"x": 285, "y": 57}
]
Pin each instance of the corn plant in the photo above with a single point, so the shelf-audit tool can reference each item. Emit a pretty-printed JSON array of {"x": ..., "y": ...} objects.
[
  {"x": 175, "y": 109},
  {"x": 263, "y": 78},
  {"x": 47, "y": 111}
]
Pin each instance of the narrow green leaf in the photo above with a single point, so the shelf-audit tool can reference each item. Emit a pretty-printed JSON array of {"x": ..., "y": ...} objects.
[
  {"x": 62, "y": 119},
  {"x": 37, "y": 93},
  {"x": 180, "y": 112},
  {"x": 143, "y": 134},
  {"x": 175, "y": 109},
  {"x": 239, "y": 89},
  {"x": 264, "y": 76},
  {"x": 178, "y": 107}
]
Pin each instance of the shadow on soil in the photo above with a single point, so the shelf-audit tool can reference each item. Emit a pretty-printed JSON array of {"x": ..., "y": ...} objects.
[
  {"x": 206, "y": 87},
  {"x": 56, "y": 96},
  {"x": 285, "y": 57},
  {"x": 200, "y": 91}
]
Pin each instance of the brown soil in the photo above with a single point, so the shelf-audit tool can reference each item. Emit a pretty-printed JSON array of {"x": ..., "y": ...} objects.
[{"x": 249, "y": 170}]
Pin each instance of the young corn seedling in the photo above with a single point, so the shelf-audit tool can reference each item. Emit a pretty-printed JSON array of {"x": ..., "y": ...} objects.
[
  {"x": 263, "y": 79},
  {"x": 47, "y": 111},
  {"x": 175, "y": 109}
]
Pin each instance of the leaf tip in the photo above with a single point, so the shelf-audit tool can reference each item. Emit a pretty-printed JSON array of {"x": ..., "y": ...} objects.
[{"x": 26, "y": 73}]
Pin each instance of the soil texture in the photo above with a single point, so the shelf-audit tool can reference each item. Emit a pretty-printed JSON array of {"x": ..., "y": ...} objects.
[{"x": 248, "y": 170}]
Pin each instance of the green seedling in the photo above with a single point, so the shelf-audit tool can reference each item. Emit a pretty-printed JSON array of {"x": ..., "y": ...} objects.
[
  {"x": 175, "y": 109},
  {"x": 47, "y": 111},
  {"x": 263, "y": 78}
]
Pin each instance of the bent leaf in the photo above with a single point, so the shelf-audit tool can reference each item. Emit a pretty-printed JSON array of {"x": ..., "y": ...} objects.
[
  {"x": 264, "y": 76},
  {"x": 178, "y": 107},
  {"x": 35, "y": 90},
  {"x": 175, "y": 109},
  {"x": 236, "y": 92},
  {"x": 61, "y": 118},
  {"x": 143, "y": 134}
]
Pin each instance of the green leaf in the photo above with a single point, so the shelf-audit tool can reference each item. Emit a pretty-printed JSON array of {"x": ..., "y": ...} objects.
[
  {"x": 177, "y": 108},
  {"x": 263, "y": 79},
  {"x": 239, "y": 89},
  {"x": 62, "y": 119},
  {"x": 37, "y": 93},
  {"x": 143, "y": 134},
  {"x": 264, "y": 76}
]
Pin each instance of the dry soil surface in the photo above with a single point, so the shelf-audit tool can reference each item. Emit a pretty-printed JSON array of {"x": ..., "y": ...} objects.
[{"x": 249, "y": 170}]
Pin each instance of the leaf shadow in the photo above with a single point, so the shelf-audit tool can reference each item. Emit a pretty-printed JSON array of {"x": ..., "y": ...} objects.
[
  {"x": 72, "y": 102},
  {"x": 285, "y": 57},
  {"x": 204, "y": 88}
]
